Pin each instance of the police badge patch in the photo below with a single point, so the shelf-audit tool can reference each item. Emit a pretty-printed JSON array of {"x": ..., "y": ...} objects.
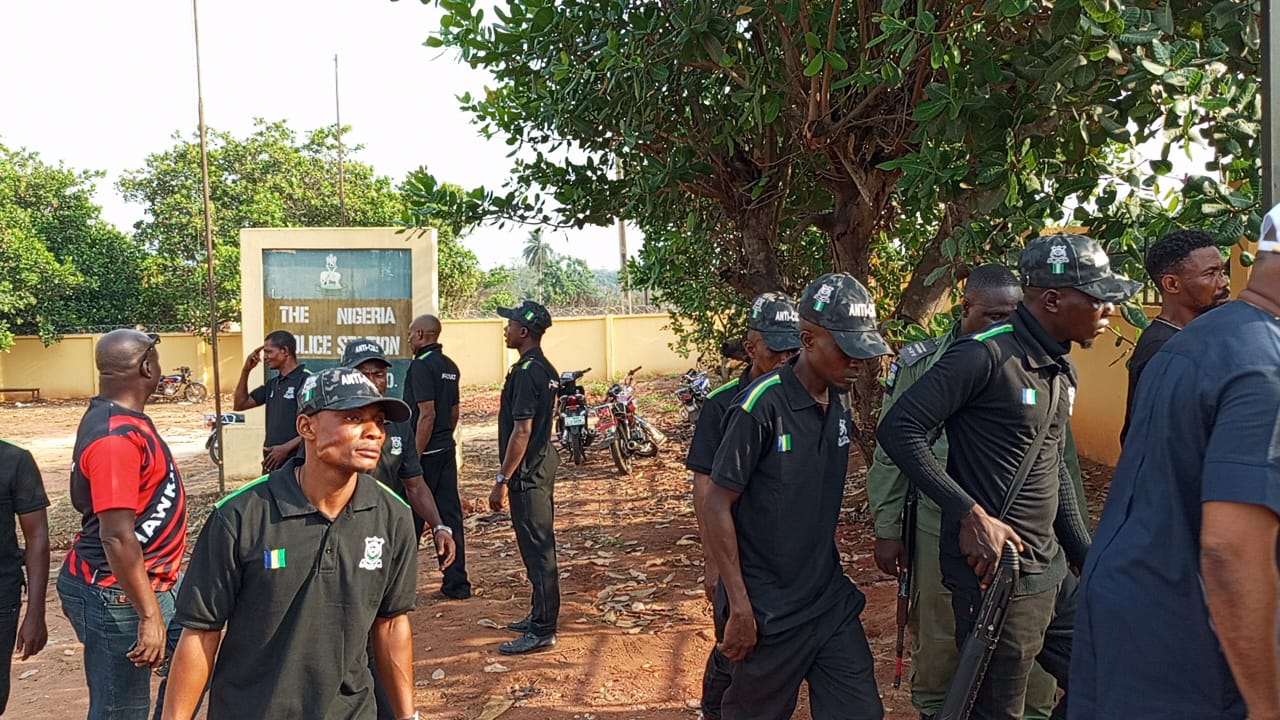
[{"x": 397, "y": 446}]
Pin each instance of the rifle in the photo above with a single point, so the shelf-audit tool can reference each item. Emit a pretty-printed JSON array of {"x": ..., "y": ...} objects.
[
  {"x": 982, "y": 640},
  {"x": 904, "y": 577}
]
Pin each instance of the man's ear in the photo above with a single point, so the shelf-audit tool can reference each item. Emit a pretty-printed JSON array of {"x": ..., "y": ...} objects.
[
  {"x": 1170, "y": 284},
  {"x": 1050, "y": 299},
  {"x": 807, "y": 339},
  {"x": 306, "y": 427},
  {"x": 965, "y": 306}
]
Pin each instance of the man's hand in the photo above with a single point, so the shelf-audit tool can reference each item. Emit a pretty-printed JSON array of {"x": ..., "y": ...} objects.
[
  {"x": 148, "y": 651},
  {"x": 33, "y": 634},
  {"x": 446, "y": 548},
  {"x": 890, "y": 556},
  {"x": 982, "y": 538},
  {"x": 739, "y": 635},
  {"x": 710, "y": 579},
  {"x": 253, "y": 360},
  {"x": 276, "y": 456},
  {"x": 497, "y": 496}
]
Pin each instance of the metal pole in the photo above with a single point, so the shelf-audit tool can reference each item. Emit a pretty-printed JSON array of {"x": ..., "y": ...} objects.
[
  {"x": 337, "y": 111},
  {"x": 208, "y": 249},
  {"x": 622, "y": 254},
  {"x": 1270, "y": 106}
]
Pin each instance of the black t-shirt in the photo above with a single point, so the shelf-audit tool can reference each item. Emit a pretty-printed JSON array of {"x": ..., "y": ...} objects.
[
  {"x": 710, "y": 428},
  {"x": 280, "y": 395},
  {"x": 399, "y": 460},
  {"x": 530, "y": 392},
  {"x": 433, "y": 377},
  {"x": 297, "y": 594},
  {"x": 788, "y": 460},
  {"x": 1149, "y": 343},
  {"x": 21, "y": 492},
  {"x": 992, "y": 391}
]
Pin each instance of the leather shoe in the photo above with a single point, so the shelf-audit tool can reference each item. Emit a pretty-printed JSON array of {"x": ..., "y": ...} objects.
[
  {"x": 523, "y": 625},
  {"x": 456, "y": 593},
  {"x": 527, "y": 643}
]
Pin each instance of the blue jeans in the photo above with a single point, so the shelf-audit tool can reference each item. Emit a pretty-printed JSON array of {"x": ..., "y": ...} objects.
[{"x": 106, "y": 623}]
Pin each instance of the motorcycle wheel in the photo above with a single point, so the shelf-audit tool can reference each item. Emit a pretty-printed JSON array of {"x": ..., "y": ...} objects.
[
  {"x": 215, "y": 452},
  {"x": 575, "y": 448},
  {"x": 196, "y": 392},
  {"x": 692, "y": 415},
  {"x": 621, "y": 456}
]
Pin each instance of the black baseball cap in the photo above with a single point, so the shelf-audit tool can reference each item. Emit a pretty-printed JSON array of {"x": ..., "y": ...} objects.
[
  {"x": 839, "y": 303},
  {"x": 343, "y": 388},
  {"x": 1063, "y": 260},
  {"x": 362, "y": 350},
  {"x": 774, "y": 316},
  {"x": 529, "y": 314}
]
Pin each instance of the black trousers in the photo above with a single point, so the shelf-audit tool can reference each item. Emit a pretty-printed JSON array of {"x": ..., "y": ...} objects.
[
  {"x": 1037, "y": 628},
  {"x": 533, "y": 518},
  {"x": 9, "y": 608},
  {"x": 830, "y": 653},
  {"x": 440, "y": 470},
  {"x": 715, "y": 680}
]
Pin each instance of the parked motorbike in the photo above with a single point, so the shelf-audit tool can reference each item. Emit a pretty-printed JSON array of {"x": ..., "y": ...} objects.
[
  {"x": 692, "y": 394},
  {"x": 180, "y": 386},
  {"x": 228, "y": 418},
  {"x": 572, "y": 428},
  {"x": 628, "y": 434}
]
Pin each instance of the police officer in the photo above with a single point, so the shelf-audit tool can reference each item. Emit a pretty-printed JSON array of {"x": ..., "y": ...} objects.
[
  {"x": 1178, "y": 598},
  {"x": 1005, "y": 396},
  {"x": 431, "y": 391},
  {"x": 784, "y": 607},
  {"x": 279, "y": 394},
  {"x": 991, "y": 294},
  {"x": 528, "y": 471},
  {"x": 773, "y": 336}
]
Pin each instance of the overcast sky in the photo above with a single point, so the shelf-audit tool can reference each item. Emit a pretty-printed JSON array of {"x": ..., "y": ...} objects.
[{"x": 101, "y": 85}]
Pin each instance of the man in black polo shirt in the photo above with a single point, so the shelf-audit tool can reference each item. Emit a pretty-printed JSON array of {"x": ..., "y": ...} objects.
[
  {"x": 995, "y": 393},
  {"x": 786, "y": 611},
  {"x": 22, "y": 502},
  {"x": 279, "y": 394},
  {"x": 773, "y": 336},
  {"x": 1188, "y": 269},
  {"x": 431, "y": 392},
  {"x": 528, "y": 468},
  {"x": 301, "y": 567}
]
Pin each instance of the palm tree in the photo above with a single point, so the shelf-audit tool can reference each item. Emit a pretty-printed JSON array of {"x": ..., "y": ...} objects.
[{"x": 537, "y": 251}]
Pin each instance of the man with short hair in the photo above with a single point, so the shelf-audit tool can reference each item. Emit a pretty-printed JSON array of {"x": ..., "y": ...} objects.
[
  {"x": 22, "y": 497},
  {"x": 1004, "y": 397},
  {"x": 773, "y": 337},
  {"x": 1179, "y": 595},
  {"x": 279, "y": 394},
  {"x": 303, "y": 568},
  {"x": 431, "y": 392},
  {"x": 1189, "y": 272},
  {"x": 116, "y": 583},
  {"x": 784, "y": 608},
  {"x": 528, "y": 469}
]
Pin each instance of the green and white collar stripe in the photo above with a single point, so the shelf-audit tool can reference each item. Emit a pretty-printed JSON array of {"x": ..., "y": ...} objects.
[
  {"x": 727, "y": 386},
  {"x": 993, "y": 331},
  {"x": 759, "y": 389}
]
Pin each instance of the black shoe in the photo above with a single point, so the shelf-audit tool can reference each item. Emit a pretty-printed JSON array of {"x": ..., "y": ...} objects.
[
  {"x": 927, "y": 717},
  {"x": 522, "y": 626},
  {"x": 527, "y": 643},
  {"x": 456, "y": 593}
]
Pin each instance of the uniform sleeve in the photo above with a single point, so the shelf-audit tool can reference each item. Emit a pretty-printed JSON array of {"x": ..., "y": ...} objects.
[
  {"x": 742, "y": 444},
  {"x": 1072, "y": 522},
  {"x": 958, "y": 376},
  {"x": 420, "y": 382},
  {"x": 524, "y": 395},
  {"x": 1242, "y": 460},
  {"x": 113, "y": 465},
  {"x": 457, "y": 383},
  {"x": 410, "y": 464},
  {"x": 28, "y": 487},
  {"x": 886, "y": 485},
  {"x": 402, "y": 583},
  {"x": 259, "y": 395},
  {"x": 706, "y": 439},
  {"x": 209, "y": 589}
]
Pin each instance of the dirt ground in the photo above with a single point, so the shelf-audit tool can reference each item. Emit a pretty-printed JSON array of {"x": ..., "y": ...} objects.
[{"x": 634, "y": 627}]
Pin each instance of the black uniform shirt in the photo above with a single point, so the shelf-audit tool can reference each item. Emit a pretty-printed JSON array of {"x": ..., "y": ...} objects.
[
  {"x": 399, "y": 460},
  {"x": 280, "y": 395},
  {"x": 529, "y": 392},
  {"x": 1149, "y": 343},
  {"x": 21, "y": 492},
  {"x": 788, "y": 460},
  {"x": 433, "y": 377},
  {"x": 710, "y": 428},
  {"x": 298, "y": 594},
  {"x": 992, "y": 391}
]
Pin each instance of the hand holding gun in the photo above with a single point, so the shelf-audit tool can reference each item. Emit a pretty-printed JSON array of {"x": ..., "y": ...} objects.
[{"x": 904, "y": 578}]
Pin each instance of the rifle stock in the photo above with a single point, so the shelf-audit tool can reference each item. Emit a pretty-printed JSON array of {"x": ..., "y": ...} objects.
[
  {"x": 982, "y": 640},
  {"x": 904, "y": 578}
]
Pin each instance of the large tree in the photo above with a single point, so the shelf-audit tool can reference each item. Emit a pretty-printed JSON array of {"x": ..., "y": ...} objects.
[{"x": 762, "y": 141}]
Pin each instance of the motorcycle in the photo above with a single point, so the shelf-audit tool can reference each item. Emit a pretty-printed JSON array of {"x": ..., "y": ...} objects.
[
  {"x": 692, "y": 394},
  {"x": 571, "y": 416},
  {"x": 627, "y": 434},
  {"x": 180, "y": 385},
  {"x": 228, "y": 418}
]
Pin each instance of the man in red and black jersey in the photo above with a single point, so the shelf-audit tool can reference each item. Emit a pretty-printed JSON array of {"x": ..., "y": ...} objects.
[{"x": 117, "y": 581}]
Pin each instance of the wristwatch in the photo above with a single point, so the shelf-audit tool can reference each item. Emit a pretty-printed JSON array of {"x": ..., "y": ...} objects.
[
  {"x": 445, "y": 528},
  {"x": 412, "y": 717},
  {"x": 502, "y": 479}
]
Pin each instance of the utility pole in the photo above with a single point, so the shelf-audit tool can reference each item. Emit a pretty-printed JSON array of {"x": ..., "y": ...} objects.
[
  {"x": 622, "y": 253},
  {"x": 342, "y": 171},
  {"x": 1270, "y": 106},
  {"x": 208, "y": 250}
]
